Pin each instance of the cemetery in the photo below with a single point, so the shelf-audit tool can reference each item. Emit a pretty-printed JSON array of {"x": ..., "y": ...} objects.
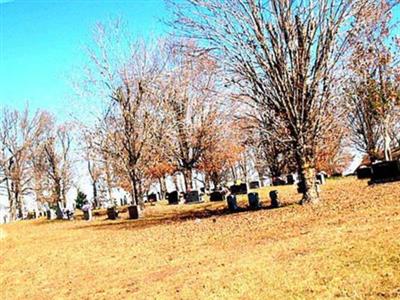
[{"x": 200, "y": 149}]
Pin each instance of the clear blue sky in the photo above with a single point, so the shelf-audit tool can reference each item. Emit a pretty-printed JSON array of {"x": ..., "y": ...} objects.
[{"x": 41, "y": 42}]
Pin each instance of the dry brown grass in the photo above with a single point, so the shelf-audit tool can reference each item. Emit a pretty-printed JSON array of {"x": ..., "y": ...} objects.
[{"x": 346, "y": 247}]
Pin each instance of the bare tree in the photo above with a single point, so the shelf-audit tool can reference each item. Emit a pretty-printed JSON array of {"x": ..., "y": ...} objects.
[
  {"x": 58, "y": 164},
  {"x": 373, "y": 89},
  {"x": 282, "y": 56},
  {"x": 93, "y": 160},
  {"x": 126, "y": 73},
  {"x": 223, "y": 152},
  {"x": 19, "y": 133},
  {"x": 273, "y": 155},
  {"x": 192, "y": 105}
]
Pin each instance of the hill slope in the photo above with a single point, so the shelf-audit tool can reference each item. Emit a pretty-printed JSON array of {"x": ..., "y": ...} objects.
[{"x": 346, "y": 247}]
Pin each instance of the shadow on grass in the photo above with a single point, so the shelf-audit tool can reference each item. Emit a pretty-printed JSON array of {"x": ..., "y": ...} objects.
[{"x": 174, "y": 216}]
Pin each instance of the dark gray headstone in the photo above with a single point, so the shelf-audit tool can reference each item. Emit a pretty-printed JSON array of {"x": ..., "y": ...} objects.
[
  {"x": 275, "y": 203},
  {"x": 254, "y": 185},
  {"x": 276, "y": 181},
  {"x": 385, "y": 171},
  {"x": 232, "y": 203},
  {"x": 290, "y": 179},
  {"x": 173, "y": 197},
  {"x": 134, "y": 212},
  {"x": 254, "y": 201},
  {"x": 364, "y": 172},
  {"x": 192, "y": 196},
  {"x": 152, "y": 198},
  {"x": 239, "y": 189},
  {"x": 301, "y": 187},
  {"x": 87, "y": 214},
  {"x": 112, "y": 213},
  {"x": 216, "y": 196}
]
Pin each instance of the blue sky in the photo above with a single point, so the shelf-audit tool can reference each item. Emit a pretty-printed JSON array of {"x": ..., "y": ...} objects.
[{"x": 41, "y": 43}]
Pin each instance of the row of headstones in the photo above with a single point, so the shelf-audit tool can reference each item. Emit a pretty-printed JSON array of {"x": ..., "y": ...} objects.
[
  {"x": 175, "y": 197},
  {"x": 320, "y": 178},
  {"x": 112, "y": 213},
  {"x": 253, "y": 200},
  {"x": 381, "y": 172},
  {"x": 58, "y": 213}
]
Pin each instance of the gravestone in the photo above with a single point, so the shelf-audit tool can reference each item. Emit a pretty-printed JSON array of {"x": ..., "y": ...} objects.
[
  {"x": 301, "y": 187},
  {"x": 240, "y": 189},
  {"x": 364, "y": 173},
  {"x": 87, "y": 211},
  {"x": 234, "y": 189},
  {"x": 59, "y": 212},
  {"x": 216, "y": 196},
  {"x": 290, "y": 179},
  {"x": 386, "y": 171},
  {"x": 69, "y": 214},
  {"x": 173, "y": 197},
  {"x": 87, "y": 215},
  {"x": 243, "y": 189},
  {"x": 192, "y": 196},
  {"x": 254, "y": 201},
  {"x": 254, "y": 185},
  {"x": 337, "y": 175},
  {"x": 152, "y": 198},
  {"x": 273, "y": 195},
  {"x": 232, "y": 203},
  {"x": 31, "y": 215},
  {"x": 134, "y": 212},
  {"x": 112, "y": 213},
  {"x": 51, "y": 214},
  {"x": 320, "y": 177},
  {"x": 276, "y": 181}
]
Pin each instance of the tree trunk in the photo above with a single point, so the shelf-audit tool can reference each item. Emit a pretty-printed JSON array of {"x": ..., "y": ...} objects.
[
  {"x": 18, "y": 203},
  {"x": 163, "y": 187},
  {"x": 140, "y": 195},
  {"x": 187, "y": 175},
  {"x": 206, "y": 181},
  {"x": 175, "y": 181},
  {"x": 135, "y": 192},
  {"x": 17, "y": 198},
  {"x": 308, "y": 180},
  {"x": 13, "y": 209},
  {"x": 215, "y": 180},
  {"x": 109, "y": 181},
  {"x": 234, "y": 175},
  {"x": 136, "y": 189},
  {"x": 57, "y": 190},
  {"x": 260, "y": 176},
  {"x": 95, "y": 197},
  {"x": 310, "y": 192},
  {"x": 194, "y": 181},
  {"x": 386, "y": 140}
]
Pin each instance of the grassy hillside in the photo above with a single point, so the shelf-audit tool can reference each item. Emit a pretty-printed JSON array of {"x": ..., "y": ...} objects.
[{"x": 347, "y": 247}]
